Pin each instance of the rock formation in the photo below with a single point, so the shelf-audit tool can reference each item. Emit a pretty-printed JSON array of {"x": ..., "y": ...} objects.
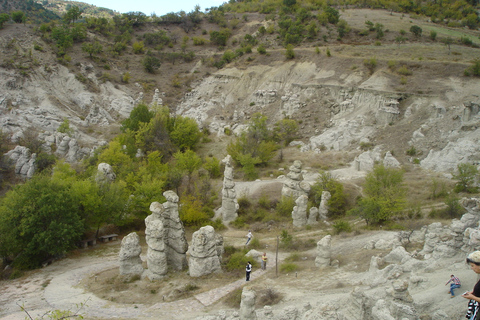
[
  {"x": 23, "y": 160},
  {"x": 155, "y": 235},
  {"x": 299, "y": 213},
  {"x": 323, "y": 208},
  {"x": 105, "y": 173},
  {"x": 129, "y": 256},
  {"x": 312, "y": 216},
  {"x": 247, "y": 305},
  {"x": 204, "y": 258},
  {"x": 175, "y": 240},
  {"x": 229, "y": 197},
  {"x": 294, "y": 186},
  {"x": 324, "y": 252}
]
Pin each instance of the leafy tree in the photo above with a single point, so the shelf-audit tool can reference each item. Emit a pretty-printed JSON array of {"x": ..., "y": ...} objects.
[
  {"x": 185, "y": 133},
  {"x": 72, "y": 15},
  {"x": 416, "y": 30},
  {"x": 92, "y": 48},
  {"x": 333, "y": 16},
  {"x": 285, "y": 131},
  {"x": 38, "y": 220},
  {"x": 343, "y": 28},
  {"x": 289, "y": 53},
  {"x": 257, "y": 142},
  {"x": 466, "y": 175},
  {"x": 289, "y": 3},
  {"x": 384, "y": 195},
  {"x": 139, "y": 114},
  {"x": 187, "y": 162},
  {"x": 155, "y": 135},
  {"x": 220, "y": 37},
  {"x": 191, "y": 211},
  {"x": 18, "y": 16},
  {"x": 379, "y": 29},
  {"x": 4, "y": 17},
  {"x": 151, "y": 63},
  {"x": 62, "y": 37},
  {"x": 115, "y": 156},
  {"x": 65, "y": 127}
]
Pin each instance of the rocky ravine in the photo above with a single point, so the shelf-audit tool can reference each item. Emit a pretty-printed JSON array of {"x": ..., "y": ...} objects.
[{"x": 338, "y": 108}]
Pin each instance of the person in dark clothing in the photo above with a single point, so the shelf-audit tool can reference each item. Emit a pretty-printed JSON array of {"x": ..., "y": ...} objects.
[
  {"x": 473, "y": 312},
  {"x": 248, "y": 269}
]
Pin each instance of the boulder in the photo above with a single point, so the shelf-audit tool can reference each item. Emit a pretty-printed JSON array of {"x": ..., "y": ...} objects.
[
  {"x": 129, "y": 256},
  {"x": 203, "y": 253}
]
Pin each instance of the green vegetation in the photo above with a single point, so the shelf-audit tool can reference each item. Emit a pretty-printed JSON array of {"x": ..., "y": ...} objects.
[
  {"x": 337, "y": 201},
  {"x": 466, "y": 175},
  {"x": 384, "y": 195}
]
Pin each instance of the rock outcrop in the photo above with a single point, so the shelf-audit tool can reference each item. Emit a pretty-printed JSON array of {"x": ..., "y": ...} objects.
[
  {"x": 247, "y": 305},
  {"x": 23, "y": 160},
  {"x": 324, "y": 252},
  {"x": 155, "y": 237},
  {"x": 105, "y": 173},
  {"x": 299, "y": 213},
  {"x": 323, "y": 208},
  {"x": 129, "y": 256},
  {"x": 293, "y": 185},
  {"x": 230, "y": 205},
  {"x": 204, "y": 258},
  {"x": 176, "y": 245}
]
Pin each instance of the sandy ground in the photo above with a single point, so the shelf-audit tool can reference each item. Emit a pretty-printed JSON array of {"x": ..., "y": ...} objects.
[{"x": 64, "y": 284}]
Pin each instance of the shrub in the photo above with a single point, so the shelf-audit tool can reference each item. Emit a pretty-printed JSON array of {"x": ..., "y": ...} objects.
[
  {"x": 466, "y": 176},
  {"x": 126, "y": 77},
  {"x": 411, "y": 152},
  {"x": 342, "y": 226},
  {"x": 151, "y": 63},
  {"x": 261, "y": 49},
  {"x": 138, "y": 47},
  {"x": 293, "y": 257},
  {"x": 288, "y": 267},
  {"x": 416, "y": 30},
  {"x": 269, "y": 297},
  {"x": 370, "y": 64},
  {"x": 286, "y": 239},
  {"x": 285, "y": 206},
  {"x": 289, "y": 53},
  {"x": 199, "y": 41},
  {"x": 433, "y": 35},
  {"x": 403, "y": 70}
]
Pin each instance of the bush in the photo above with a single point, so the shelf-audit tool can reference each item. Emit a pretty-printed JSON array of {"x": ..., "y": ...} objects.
[
  {"x": 261, "y": 49},
  {"x": 416, "y": 30},
  {"x": 285, "y": 206},
  {"x": 370, "y": 64},
  {"x": 411, "y": 152},
  {"x": 403, "y": 70},
  {"x": 433, "y": 35},
  {"x": 342, "y": 226},
  {"x": 289, "y": 53},
  {"x": 288, "y": 267},
  {"x": 151, "y": 63},
  {"x": 466, "y": 176},
  {"x": 138, "y": 47}
]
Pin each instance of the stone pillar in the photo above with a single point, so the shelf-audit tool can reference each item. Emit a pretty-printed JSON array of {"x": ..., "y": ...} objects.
[
  {"x": 299, "y": 213},
  {"x": 175, "y": 240},
  {"x": 229, "y": 197},
  {"x": 156, "y": 255},
  {"x": 247, "y": 305},
  {"x": 130, "y": 262},
  {"x": 312, "y": 216},
  {"x": 294, "y": 186},
  {"x": 203, "y": 253},
  {"x": 324, "y": 252},
  {"x": 323, "y": 208}
]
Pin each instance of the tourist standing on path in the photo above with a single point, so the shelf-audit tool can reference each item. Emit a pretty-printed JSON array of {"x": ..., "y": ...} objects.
[
  {"x": 249, "y": 236},
  {"x": 264, "y": 261},
  {"x": 473, "y": 312},
  {"x": 248, "y": 269},
  {"x": 454, "y": 284}
]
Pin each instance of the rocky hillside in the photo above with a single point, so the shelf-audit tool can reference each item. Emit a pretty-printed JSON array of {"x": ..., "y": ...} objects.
[{"x": 350, "y": 94}]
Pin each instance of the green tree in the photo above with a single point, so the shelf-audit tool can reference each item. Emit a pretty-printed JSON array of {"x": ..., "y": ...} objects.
[
  {"x": 185, "y": 133},
  {"x": 466, "y": 175},
  {"x": 333, "y": 16},
  {"x": 187, "y": 162},
  {"x": 416, "y": 30},
  {"x": 338, "y": 200},
  {"x": 220, "y": 37},
  {"x": 38, "y": 220},
  {"x": 65, "y": 127},
  {"x": 289, "y": 53},
  {"x": 151, "y": 63},
  {"x": 4, "y": 17},
  {"x": 92, "y": 48},
  {"x": 72, "y": 15},
  {"x": 139, "y": 114},
  {"x": 384, "y": 195},
  {"x": 18, "y": 16},
  {"x": 285, "y": 131},
  {"x": 289, "y": 3},
  {"x": 343, "y": 28}
]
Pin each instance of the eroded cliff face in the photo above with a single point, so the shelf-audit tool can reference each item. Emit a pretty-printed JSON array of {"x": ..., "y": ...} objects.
[{"x": 340, "y": 108}]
